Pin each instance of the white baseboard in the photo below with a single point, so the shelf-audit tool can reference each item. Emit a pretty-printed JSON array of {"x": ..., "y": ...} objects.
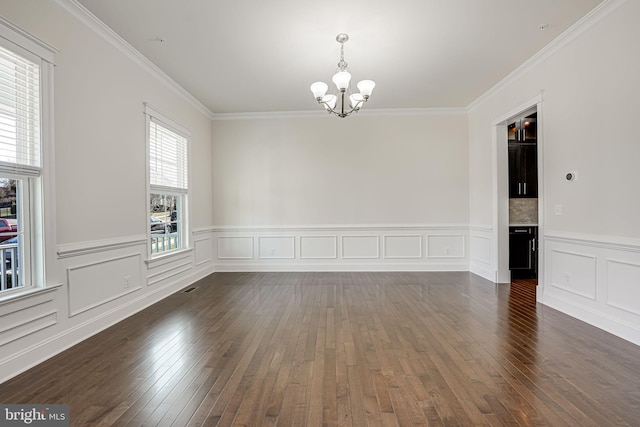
[
  {"x": 599, "y": 319},
  {"x": 483, "y": 271}
]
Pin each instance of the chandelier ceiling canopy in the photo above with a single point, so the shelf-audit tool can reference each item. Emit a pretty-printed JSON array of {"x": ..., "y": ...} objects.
[{"x": 345, "y": 102}]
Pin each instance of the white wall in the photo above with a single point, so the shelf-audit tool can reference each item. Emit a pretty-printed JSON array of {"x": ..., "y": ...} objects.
[
  {"x": 325, "y": 170},
  {"x": 589, "y": 84},
  {"x": 102, "y": 211},
  {"x": 370, "y": 176}
]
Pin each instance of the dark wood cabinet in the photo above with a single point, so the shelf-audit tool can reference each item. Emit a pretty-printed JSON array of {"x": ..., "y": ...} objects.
[
  {"x": 523, "y": 170},
  {"x": 523, "y": 156},
  {"x": 524, "y": 129},
  {"x": 523, "y": 252}
]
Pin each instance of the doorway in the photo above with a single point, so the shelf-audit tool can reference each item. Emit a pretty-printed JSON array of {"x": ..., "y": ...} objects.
[
  {"x": 522, "y": 168},
  {"x": 515, "y": 205}
]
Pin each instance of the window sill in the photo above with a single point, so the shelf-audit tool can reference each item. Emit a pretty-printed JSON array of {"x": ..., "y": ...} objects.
[
  {"x": 27, "y": 292},
  {"x": 170, "y": 256}
]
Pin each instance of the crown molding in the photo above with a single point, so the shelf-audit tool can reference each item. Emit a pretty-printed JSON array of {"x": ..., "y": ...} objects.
[
  {"x": 268, "y": 115},
  {"x": 577, "y": 29},
  {"x": 330, "y": 227},
  {"x": 442, "y": 111},
  {"x": 95, "y": 24},
  {"x": 573, "y": 32},
  {"x": 323, "y": 114}
]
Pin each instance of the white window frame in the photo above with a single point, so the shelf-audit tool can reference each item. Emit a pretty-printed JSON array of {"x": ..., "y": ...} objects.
[
  {"x": 25, "y": 254},
  {"x": 152, "y": 114},
  {"x": 37, "y": 193}
]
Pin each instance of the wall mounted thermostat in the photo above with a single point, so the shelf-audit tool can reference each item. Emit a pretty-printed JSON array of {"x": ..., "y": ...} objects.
[{"x": 571, "y": 176}]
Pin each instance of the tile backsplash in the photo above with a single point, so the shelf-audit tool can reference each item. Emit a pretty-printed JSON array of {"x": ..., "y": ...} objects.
[{"x": 523, "y": 211}]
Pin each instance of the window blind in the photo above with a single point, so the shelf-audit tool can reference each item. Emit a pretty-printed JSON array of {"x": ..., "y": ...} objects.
[
  {"x": 167, "y": 157},
  {"x": 19, "y": 114}
]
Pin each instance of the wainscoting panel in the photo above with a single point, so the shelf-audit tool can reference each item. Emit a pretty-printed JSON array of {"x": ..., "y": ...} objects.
[
  {"x": 277, "y": 247},
  {"x": 596, "y": 279},
  {"x": 360, "y": 247},
  {"x": 204, "y": 250},
  {"x": 480, "y": 261},
  {"x": 342, "y": 248},
  {"x": 574, "y": 273},
  {"x": 12, "y": 331},
  {"x": 27, "y": 315},
  {"x": 97, "y": 283},
  {"x": 169, "y": 272},
  {"x": 445, "y": 246},
  {"x": 105, "y": 282},
  {"x": 235, "y": 247},
  {"x": 318, "y": 247},
  {"x": 402, "y": 246},
  {"x": 623, "y": 286}
]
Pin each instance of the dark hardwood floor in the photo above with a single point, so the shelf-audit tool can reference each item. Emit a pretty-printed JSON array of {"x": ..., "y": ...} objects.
[{"x": 344, "y": 349}]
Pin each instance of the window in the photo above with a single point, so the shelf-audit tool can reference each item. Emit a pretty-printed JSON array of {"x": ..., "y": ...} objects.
[
  {"x": 168, "y": 183},
  {"x": 21, "y": 255}
]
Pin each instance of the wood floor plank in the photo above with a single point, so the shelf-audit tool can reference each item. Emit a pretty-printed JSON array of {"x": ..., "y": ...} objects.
[{"x": 344, "y": 349}]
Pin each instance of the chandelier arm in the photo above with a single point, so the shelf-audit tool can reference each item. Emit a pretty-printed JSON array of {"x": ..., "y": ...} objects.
[
  {"x": 359, "y": 103},
  {"x": 341, "y": 113},
  {"x": 326, "y": 105}
]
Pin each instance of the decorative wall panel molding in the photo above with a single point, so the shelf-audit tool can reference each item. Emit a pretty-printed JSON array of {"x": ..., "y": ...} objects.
[
  {"x": 360, "y": 247},
  {"x": 402, "y": 246},
  {"x": 168, "y": 272},
  {"x": 318, "y": 247},
  {"x": 97, "y": 246},
  {"x": 28, "y": 314},
  {"x": 480, "y": 247},
  {"x": 44, "y": 342},
  {"x": 204, "y": 250},
  {"x": 235, "y": 247},
  {"x": 573, "y": 272},
  {"x": 13, "y": 331},
  {"x": 626, "y": 244},
  {"x": 596, "y": 279},
  {"x": 623, "y": 285},
  {"x": 29, "y": 298},
  {"x": 342, "y": 248},
  {"x": 96, "y": 283},
  {"x": 277, "y": 247},
  {"x": 446, "y": 246}
]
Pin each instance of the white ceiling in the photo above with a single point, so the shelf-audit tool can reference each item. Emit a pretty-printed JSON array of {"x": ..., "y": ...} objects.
[{"x": 261, "y": 56}]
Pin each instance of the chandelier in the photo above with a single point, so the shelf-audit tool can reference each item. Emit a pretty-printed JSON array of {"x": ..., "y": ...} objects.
[{"x": 345, "y": 102}]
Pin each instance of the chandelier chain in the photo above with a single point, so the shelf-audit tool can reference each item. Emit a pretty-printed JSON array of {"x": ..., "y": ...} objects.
[{"x": 342, "y": 64}]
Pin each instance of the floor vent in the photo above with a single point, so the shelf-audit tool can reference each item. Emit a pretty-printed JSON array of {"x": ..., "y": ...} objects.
[{"x": 190, "y": 289}]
